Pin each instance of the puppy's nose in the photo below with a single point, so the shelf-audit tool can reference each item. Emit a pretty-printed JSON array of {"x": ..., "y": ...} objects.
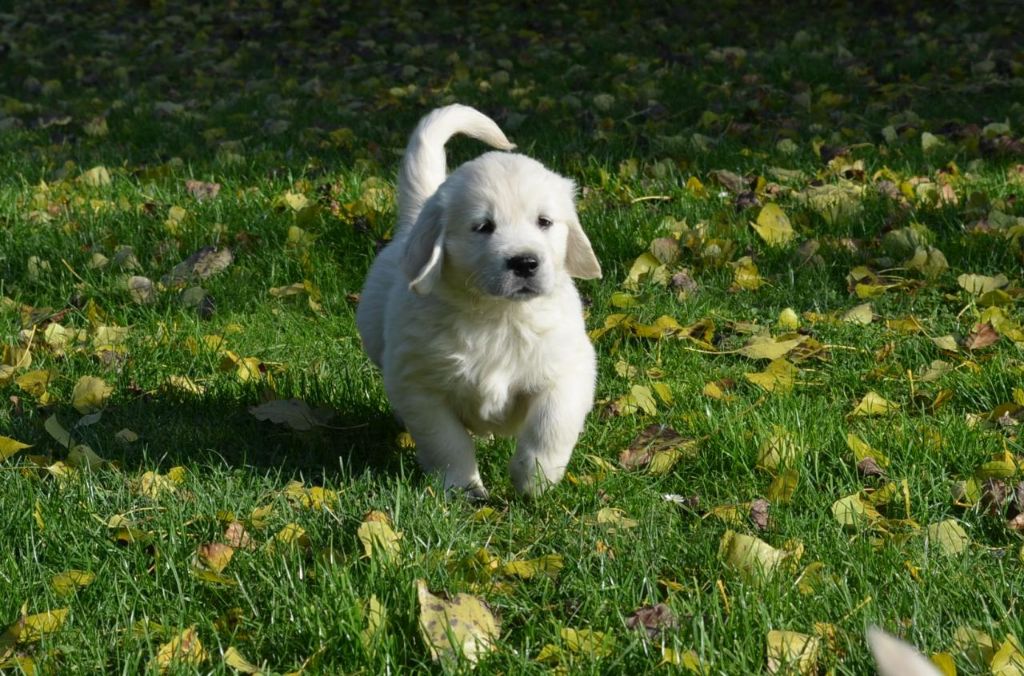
[{"x": 523, "y": 266}]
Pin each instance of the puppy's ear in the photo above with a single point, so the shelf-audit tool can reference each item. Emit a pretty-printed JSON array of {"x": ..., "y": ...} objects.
[
  {"x": 424, "y": 250},
  {"x": 580, "y": 261}
]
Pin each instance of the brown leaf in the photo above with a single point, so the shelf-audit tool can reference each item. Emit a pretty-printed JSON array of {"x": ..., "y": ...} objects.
[
  {"x": 204, "y": 263},
  {"x": 653, "y": 619},
  {"x": 759, "y": 513},
  {"x": 869, "y": 467},
  {"x": 653, "y": 440},
  {"x": 202, "y": 190},
  {"x": 982, "y": 336},
  {"x": 236, "y": 536}
]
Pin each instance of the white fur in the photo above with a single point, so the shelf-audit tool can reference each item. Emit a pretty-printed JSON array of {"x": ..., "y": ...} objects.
[
  {"x": 465, "y": 344},
  {"x": 897, "y": 658}
]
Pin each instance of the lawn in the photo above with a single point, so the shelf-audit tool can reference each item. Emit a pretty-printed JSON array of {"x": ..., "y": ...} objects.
[{"x": 809, "y": 329}]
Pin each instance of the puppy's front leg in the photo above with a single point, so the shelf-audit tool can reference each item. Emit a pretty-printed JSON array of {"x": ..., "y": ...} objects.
[
  {"x": 443, "y": 445},
  {"x": 549, "y": 433}
]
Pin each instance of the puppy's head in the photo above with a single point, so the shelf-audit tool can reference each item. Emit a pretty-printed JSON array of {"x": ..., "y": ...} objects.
[{"x": 501, "y": 225}]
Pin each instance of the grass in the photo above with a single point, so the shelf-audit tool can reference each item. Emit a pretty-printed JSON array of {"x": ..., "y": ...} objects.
[{"x": 317, "y": 101}]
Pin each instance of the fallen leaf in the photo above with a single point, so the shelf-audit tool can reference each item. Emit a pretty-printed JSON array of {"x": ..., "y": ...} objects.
[
  {"x": 202, "y": 190},
  {"x": 980, "y": 284},
  {"x": 783, "y": 486},
  {"x": 234, "y": 659},
  {"x": 70, "y": 581},
  {"x": 293, "y": 413},
  {"x": 654, "y": 620},
  {"x": 854, "y": 511},
  {"x": 793, "y": 650},
  {"x": 658, "y": 448},
  {"x": 860, "y": 314},
  {"x": 873, "y": 404},
  {"x": 463, "y": 626},
  {"x": 184, "y": 649},
  {"x": 778, "y": 376},
  {"x": 57, "y": 431},
  {"x": 613, "y": 517},
  {"x": 773, "y": 225},
  {"x": 141, "y": 289},
  {"x": 949, "y": 536},
  {"x": 202, "y": 264},
  {"x": 766, "y": 347},
  {"x": 9, "y": 447},
  {"x": 759, "y": 513},
  {"x": 90, "y": 394},
  {"x": 754, "y": 559},
  {"x": 981, "y": 337},
  {"x": 215, "y": 556},
  {"x": 779, "y": 450},
  {"x": 864, "y": 451},
  {"x": 379, "y": 540},
  {"x": 376, "y": 617},
  {"x": 548, "y": 565}
]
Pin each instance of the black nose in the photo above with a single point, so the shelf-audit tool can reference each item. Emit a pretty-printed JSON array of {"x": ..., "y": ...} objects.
[{"x": 523, "y": 266}]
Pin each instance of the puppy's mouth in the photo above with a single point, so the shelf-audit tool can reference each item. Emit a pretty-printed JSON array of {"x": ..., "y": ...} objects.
[{"x": 524, "y": 292}]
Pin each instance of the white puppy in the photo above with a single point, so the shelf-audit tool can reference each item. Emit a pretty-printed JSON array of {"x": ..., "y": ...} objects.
[
  {"x": 471, "y": 313},
  {"x": 897, "y": 658}
]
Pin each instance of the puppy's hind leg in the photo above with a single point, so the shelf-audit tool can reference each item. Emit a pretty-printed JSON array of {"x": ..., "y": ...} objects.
[
  {"x": 444, "y": 446},
  {"x": 548, "y": 436}
]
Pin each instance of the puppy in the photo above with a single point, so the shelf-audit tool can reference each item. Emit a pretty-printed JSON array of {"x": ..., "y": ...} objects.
[
  {"x": 896, "y": 658},
  {"x": 471, "y": 312}
]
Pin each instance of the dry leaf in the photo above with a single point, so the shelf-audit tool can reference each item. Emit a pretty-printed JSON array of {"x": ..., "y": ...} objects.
[
  {"x": 9, "y": 447},
  {"x": 654, "y": 620},
  {"x": 658, "y": 448},
  {"x": 293, "y": 413},
  {"x": 981, "y": 336},
  {"x": 463, "y": 626},
  {"x": 185, "y": 649},
  {"x": 90, "y": 394},
  {"x": 793, "y": 650},
  {"x": 949, "y": 536},
  {"x": 379, "y": 540},
  {"x": 873, "y": 404}
]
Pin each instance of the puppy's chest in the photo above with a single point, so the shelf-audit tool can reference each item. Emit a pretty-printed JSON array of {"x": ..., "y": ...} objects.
[{"x": 494, "y": 373}]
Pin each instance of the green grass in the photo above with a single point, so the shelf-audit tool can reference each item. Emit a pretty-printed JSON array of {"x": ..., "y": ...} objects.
[{"x": 318, "y": 101}]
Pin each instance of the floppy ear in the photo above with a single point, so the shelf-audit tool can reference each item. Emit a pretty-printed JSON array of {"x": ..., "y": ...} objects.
[
  {"x": 580, "y": 261},
  {"x": 424, "y": 250}
]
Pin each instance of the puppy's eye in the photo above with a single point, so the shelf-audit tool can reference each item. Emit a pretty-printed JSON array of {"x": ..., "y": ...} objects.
[
  {"x": 485, "y": 227},
  {"x": 544, "y": 222}
]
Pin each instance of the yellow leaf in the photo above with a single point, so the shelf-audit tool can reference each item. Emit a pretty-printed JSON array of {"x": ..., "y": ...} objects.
[
  {"x": 688, "y": 660},
  {"x": 754, "y": 559},
  {"x": 788, "y": 320},
  {"x": 746, "y": 275},
  {"x": 90, "y": 394},
  {"x": 293, "y": 200},
  {"x": 779, "y": 376},
  {"x": 588, "y": 642},
  {"x": 779, "y": 450},
  {"x": 239, "y": 663},
  {"x": 613, "y": 517},
  {"x": 861, "y": 450},
  {"x": 96, "y": 177},
  {"x": 32, "y": 628},
  {"x": 873, "y": 404},
  {"x": 773, "y": 225},
  {"x": 378, "y": 538},
  {"x": 215, "y": 555},
  {"x": 185, "y": 385},
  {"x": 461, "y": 627},
  {"x": 9, "y": 447},
  {"x": 783, "y": 486},
  {"x": 945, "y": 663},
  {"x": 975, "y": 644},
  {"x": 793, "y": 650},
  {"x": 70, "y": 581},
  {"x": 548, "y": 565},
  {"x": 376, "y": 617},
  {"x": 854, "y": 511},
  {"x": 860, "y": 314},
  {"x": 766, "y": 347},
  {"x": 949, "y": 536},
  {"x": 36, "y": 382},
  {"x": 185, "y": 649},
  {"x": 981, "y": 284},
  {"x": 1008, "y": 660}
]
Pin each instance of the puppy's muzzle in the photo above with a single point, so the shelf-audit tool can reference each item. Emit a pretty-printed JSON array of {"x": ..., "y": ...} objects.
[{"x": 524, "y": 266}]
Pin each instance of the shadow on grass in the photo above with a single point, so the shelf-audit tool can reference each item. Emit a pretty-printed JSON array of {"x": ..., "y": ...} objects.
[{"x": 216, "y": 429}]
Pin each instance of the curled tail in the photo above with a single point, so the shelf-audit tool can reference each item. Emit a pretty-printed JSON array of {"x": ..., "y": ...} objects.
[{"x": 424, "y": 167}]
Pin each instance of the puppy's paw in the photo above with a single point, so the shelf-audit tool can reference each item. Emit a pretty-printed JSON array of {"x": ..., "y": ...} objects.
[{"x": 530, "y": 481}]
